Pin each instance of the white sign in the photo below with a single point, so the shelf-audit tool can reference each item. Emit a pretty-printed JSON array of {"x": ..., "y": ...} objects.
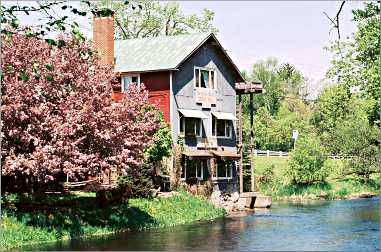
[
  {"x": 295, "y": 134},
  {"x": 355, "y": 89},
  {"x": 206, "y": 97}
]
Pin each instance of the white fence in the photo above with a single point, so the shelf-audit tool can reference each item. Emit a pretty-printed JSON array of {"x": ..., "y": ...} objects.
[{"x": 269, "y": 153}]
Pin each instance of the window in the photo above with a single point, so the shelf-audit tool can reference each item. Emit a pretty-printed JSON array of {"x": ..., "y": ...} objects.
[
  {"x": 194, "y": 169},
  {"x": 190, "y": 126},
  {"x": 221, "y": 128},
  {"x": 224, "y": 169},
  {"x": 205, "y": 78},
  {"x": 128, "y": 79}
]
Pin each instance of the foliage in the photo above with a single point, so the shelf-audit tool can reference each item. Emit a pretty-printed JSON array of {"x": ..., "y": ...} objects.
[
  {"x": 162, "y": 142},
  {"x": 160, "y": 147},
  {"x": 279, "y": 81},
  {"x": 293, "y": 80},
  {"x": 23, "y": 228},
  {"x": 357, "y": 138},
  {"x": 275, "y": 132},
  {"x": 306, "y": 164},
  {"x": 58, "y": 115},
  {"x": 356, "y": 61},
  {"x": 280, "y": 109},
  {"x": 330, "y": 110},
  {"x": 47, "y": 13},
  {"x": 266, "y": 72},
  {"x": 268, "y": 174},
  {"x": 336, "y": 186},
  {"x": 141, "y": 19}
]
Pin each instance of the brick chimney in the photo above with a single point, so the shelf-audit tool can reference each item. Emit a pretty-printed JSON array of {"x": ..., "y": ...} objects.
[{"x": 103, "y": 35}]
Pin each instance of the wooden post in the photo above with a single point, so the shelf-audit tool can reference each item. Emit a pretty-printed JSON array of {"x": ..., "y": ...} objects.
[
  {"x": 240, "y": 146},
  {"x": 252, "y": 142}
]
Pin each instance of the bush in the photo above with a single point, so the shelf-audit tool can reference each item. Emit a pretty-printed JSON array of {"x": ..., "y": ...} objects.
[
  {"x": 357, "y": 138},
  {"x": 143, "y": 184},
  {"x": 306, "y": 164},
  {"x": 268, "y": 174}
]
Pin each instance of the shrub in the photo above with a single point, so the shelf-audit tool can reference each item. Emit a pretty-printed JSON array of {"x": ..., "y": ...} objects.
[
  {"x": 268, "y": 174},
  {"x": 161, "y": 146},
  {"x": 306, "y": 164}
]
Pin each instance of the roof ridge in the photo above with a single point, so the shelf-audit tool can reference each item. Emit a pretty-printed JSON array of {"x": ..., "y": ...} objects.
[{"x": 167, "y": 36}]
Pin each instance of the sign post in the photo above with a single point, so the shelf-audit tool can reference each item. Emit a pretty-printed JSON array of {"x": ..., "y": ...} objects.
[{"x": 295, "y": 134}]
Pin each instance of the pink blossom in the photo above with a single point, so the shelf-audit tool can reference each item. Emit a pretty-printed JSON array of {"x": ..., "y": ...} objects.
[{"x": 62, "y": 119}]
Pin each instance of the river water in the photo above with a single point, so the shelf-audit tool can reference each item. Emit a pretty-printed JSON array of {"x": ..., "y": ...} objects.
[{"x": 347, "y": 225}]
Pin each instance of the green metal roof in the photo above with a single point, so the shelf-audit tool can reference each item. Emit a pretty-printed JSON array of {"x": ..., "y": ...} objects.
[{"x": 158, "y": 53}]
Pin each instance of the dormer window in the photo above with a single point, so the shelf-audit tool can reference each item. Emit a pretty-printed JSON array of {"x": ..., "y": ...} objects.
[
  {"x": 128, "y": 79},
  {"x": 205, "y": 78}
]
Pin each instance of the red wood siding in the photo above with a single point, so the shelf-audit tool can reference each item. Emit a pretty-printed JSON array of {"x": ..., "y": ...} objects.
[{"x": 157, "y": 84}]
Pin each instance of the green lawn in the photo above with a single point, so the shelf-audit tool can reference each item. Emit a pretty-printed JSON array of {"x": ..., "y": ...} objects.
[
  {"x": 261, "y": 163},
  {"x": 20, "y": 227}
]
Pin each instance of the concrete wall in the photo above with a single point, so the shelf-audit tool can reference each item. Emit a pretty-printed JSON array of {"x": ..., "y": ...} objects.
[{"x": 183, "y": 92}]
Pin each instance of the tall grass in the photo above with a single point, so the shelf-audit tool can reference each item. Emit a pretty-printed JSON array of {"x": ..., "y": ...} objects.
[{"x": 24, "y": 227}]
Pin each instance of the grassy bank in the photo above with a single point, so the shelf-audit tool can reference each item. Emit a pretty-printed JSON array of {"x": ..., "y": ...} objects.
[
  {"x": 336, "y": 187},
  {"x": 20, "y": 227}
]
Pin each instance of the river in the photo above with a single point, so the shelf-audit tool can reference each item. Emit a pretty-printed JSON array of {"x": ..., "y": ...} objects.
[{"x": 346, "y": 225}]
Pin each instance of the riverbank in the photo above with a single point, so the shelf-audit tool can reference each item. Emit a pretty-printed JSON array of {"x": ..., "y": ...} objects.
[
  {"x": 335, "y": 187},
  {"x": 21, "y": 228}
]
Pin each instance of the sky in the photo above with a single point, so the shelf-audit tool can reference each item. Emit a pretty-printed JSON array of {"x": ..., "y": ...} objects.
[
  {"x": 295, "y": 32},
  {"x": 292, "y": 31}
]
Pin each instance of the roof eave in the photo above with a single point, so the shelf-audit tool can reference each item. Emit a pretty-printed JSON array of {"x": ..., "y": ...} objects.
[
  {"x": 222, "y": 49},
  {"x": 150, "y": 70}
]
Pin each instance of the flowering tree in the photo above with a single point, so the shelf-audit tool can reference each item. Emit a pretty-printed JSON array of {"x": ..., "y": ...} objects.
[{"x": 58, "y": 116}]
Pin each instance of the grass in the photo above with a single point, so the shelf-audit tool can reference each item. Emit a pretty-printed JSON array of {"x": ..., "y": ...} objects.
[
  {"x": 46, "y": 225},
  {"x": 333, "y": 188},
  {"x": 261, "y": 163}
]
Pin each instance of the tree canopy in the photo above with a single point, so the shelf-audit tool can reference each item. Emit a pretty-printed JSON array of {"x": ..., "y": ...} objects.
[
  {"x": 140, "y": 19},
  {"x": 356, "y": 61},
  {"x": 58, "y": 115}
]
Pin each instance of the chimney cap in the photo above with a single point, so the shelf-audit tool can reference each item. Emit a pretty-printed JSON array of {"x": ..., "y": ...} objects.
[{"x": 104, "y": 12}]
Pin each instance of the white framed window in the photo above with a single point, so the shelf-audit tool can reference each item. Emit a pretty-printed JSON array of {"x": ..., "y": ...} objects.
[
  {"x": 221, "y": 128},
  {"x": 194, "y": 169},
  {"x": 205, "y": 78},
  {"x": 191, "y": 127},
  {"x": 224, "y": 169},
  {"x": 128, "y": 79}
]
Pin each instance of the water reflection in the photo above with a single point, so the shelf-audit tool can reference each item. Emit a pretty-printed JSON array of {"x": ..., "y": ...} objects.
[{"x": 328, "y": 225}]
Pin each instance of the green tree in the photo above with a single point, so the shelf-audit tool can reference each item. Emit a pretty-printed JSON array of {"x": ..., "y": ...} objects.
[
  {"x": 265, "y": 71},
  {"x": 280, "y": 109},
  {"x": 356, "y": 61},
  {"x": 279, "y": 81},
  {"x": 306, "y": 164},
  {"x": 293, "y": 82},
  {"x": 330, "y": 109},
  {"x": 357, "y": 138},
  {"x": 275, "y": 132},
  {"x": 140, "y": 19}
]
